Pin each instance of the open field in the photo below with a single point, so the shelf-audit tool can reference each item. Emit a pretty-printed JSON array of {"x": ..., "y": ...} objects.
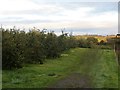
[
  {"x": 95, "y": 68},
  {"x": 104, "y": 38}
]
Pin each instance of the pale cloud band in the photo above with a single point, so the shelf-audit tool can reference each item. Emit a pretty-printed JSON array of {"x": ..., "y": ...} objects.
[{"x": 101, "y": 17}]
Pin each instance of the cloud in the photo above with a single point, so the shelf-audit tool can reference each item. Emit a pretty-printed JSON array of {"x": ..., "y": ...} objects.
[
  {"x": 25, "y": 6},
  {"x": 16, "y": 5},
  {"x": 86, "y": 16}
]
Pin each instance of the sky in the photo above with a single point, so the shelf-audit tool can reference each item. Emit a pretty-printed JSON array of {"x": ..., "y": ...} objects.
[{"x": 74, "y": 16}]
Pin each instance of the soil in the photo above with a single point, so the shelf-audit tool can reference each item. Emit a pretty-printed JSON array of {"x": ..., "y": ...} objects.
[{"x": 75, "y": 80}]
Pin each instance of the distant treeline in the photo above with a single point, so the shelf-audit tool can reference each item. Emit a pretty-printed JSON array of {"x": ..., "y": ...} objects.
[{"x": 20, "y": 47}]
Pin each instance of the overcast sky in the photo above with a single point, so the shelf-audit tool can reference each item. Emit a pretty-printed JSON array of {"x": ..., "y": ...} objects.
[{"x": 73, "y": 15}]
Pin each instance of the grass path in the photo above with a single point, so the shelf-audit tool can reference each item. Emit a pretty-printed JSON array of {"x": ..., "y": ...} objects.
[
  {"x": 83, "y": 67},
  {"x": 81, "y": 77},
  {"x": 105, "y": 71}
]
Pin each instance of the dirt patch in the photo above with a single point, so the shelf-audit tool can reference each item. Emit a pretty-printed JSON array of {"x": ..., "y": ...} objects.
[{"x": 75, "y": 80}]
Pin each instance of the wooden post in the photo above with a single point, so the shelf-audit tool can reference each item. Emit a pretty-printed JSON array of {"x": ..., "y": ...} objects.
[
  {"x": 1, "y": 26},
  {"x": 118, "y": 48}
]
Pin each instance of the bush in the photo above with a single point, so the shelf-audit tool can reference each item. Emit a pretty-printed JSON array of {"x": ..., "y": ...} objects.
[
  {"x": 32, "y": 47},
  {"x": 83, "y": 43},
  {"x": 90, "y": 42},
  {"x": 11, "y": 53}
]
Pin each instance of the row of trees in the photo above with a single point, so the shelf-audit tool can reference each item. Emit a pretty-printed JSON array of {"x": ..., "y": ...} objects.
[
  {"x": 90, "y": 42},
  {"x": 19, "y": 47}
]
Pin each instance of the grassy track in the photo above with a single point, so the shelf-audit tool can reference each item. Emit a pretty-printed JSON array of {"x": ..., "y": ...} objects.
[
  {"x": 105, "y": 71},
  {"x": 100, "y": 65}
]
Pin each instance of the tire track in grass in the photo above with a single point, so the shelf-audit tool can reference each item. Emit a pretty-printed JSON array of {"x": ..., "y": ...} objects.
[{"x": 79, "y": 76}]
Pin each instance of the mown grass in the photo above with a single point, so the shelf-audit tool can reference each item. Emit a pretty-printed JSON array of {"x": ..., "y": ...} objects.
[
  {"x": 99, "y": 64},
  {"x": 105, "y": 71},
  {"x": 35, "y": 76}
]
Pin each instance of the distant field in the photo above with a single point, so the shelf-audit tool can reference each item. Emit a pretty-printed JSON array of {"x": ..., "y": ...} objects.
[
  {"x": 96, "y": 36},
  {"x": 99, "y": 68}
]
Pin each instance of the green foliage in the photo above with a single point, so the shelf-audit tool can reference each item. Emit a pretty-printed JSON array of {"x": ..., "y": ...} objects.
[
  {"x": 90, "y": 42},
  {"x": 83, "y": 43},
  {"x": 111, "y": 42},
  {"x": 51, "y": 46},
  {"x": 34, "y": 52},
  {"x": 11, "y": 51},
  {"x": 34, "y": 46}
]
